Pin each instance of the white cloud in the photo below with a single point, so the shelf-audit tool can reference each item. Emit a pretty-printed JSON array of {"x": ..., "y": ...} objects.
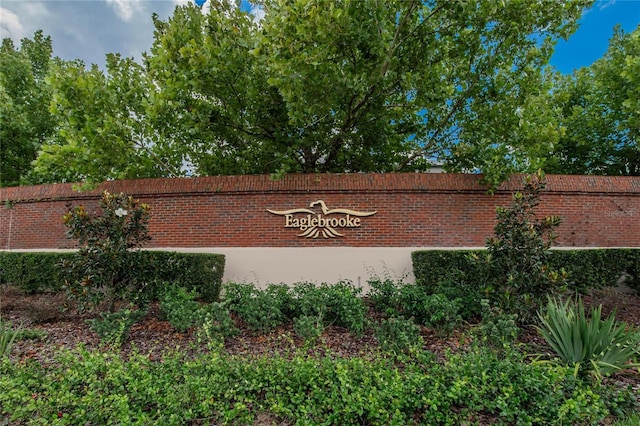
[
  {"x": 36, "y": 9},
  {"x": 125, "y": 8},
  {"x": 598, "y": 6},
  {"x": 22, "y": 19},
  {"x": 258, "y": 13},
  {"x": 10, "y": 25},
  {"x": 604, "y": 4},
  {"x": 205, "y": 8}
]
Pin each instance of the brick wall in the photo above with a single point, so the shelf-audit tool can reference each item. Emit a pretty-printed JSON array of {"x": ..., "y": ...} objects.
[{"x": 413, "y": 210}]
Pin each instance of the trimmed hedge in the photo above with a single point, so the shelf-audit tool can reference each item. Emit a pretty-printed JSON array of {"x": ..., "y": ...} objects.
[
  {"x": 589, "y": 268},
  {"x": 201, "y": 272},
  {"x": 33, "y": 272},
  {"x": 36, "y": 272},
  {"x": 431, "y": 267}
]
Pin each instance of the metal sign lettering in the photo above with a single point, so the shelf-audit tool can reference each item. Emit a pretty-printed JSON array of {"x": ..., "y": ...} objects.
[{"x": 325, "y": 224}]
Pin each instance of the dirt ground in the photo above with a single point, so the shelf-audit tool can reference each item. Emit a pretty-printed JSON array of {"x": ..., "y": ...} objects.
[{"x": 153, "y": 336}]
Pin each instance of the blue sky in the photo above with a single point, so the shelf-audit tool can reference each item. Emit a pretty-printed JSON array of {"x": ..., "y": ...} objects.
[
  {"x": 89, "y": 29},
  {"x": 591, "y": 40}
]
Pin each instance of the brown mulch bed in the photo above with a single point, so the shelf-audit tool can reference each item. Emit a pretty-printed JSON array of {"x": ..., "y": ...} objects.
[{"x": 155, "y": 337}]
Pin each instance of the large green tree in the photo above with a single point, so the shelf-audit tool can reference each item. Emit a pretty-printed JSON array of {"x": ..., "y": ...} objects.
[
  {"x": 25, "y": 121},
  {"x": 599, "y": 109},
  {"x": 103, "y": 132},
  {"x": 325, "y": 86}
]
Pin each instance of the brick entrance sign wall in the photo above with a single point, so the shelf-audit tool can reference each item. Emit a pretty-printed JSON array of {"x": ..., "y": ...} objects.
[{"x": 338, "y": 226}]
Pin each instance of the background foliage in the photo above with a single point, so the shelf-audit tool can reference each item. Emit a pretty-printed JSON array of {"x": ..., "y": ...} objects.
[
  {"x": 342, "y": 86},
  {"x": 25, "y": 120},
  {"x": 599, "y": 108}
]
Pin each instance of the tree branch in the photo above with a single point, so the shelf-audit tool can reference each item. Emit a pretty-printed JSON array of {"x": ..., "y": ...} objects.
[
  {"x": 170, "y": 170},
  {"x": 456, "y": 106}
]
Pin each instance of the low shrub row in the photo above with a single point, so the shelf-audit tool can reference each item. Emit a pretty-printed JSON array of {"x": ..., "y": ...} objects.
[
  {"x": 310, "y": 307},
  {"x": 398, "y": 311},
  {"x": 410, "y": 301},
  {"x": 33, "y": 272},
  {"x": 36, "y": 272},
  {"x": 83, "y": 387},
  {"x": 588, "y": 268},
  {"x": 599, "y": 268}
]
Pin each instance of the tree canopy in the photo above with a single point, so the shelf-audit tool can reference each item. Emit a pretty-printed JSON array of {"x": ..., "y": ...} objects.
[
  {"x": 356, "y": 85},
  {"x": 25, "y": 121},
  {"x": 318, "y": 86},
  {"x": 599, "y": 111}
]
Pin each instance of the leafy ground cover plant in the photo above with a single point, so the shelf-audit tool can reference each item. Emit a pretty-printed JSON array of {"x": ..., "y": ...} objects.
[
  {"x": 33, "y": 334},
  {"x": 631, "y": 420},
  {"x": 92, "y": 387},
  {"x": 217, "y": 381},
  {"x": 257, "y": 308},
  {"x": 216, "y": 324},
  {"x": 522, "y": 393},
  {"x": 338, "y": 304},
  {"x": 497, "y": 329},
  {"x": 309, "y": 327},
  {"x": 283, "y": 298},
  {"x": 383, "y": 294},
  {"x": 590, "y": 345},
  {"x": 100, "y": 272},
  {"x": 397, "y": 334},
  {"x": 179, "y": 306},
  {"x": 441, "y": 314},
  {"x": 414, "y": 301},
  {"x": 460, "y": 287},
  {"x": 114, "y": 327}
]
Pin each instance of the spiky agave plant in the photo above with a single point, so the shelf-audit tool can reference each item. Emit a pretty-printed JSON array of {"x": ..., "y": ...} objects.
[
  {"x": 590, "y": 345},
  {"x": 7, "y": 337}
]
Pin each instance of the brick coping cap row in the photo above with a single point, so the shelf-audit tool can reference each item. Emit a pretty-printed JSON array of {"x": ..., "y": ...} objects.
[{"x": 295, "y": 183}]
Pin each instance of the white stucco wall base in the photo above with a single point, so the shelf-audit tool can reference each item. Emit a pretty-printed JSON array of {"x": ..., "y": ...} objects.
[
  {"x": 270, "y": 265},
  {"x": 262, "y": 266}
]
